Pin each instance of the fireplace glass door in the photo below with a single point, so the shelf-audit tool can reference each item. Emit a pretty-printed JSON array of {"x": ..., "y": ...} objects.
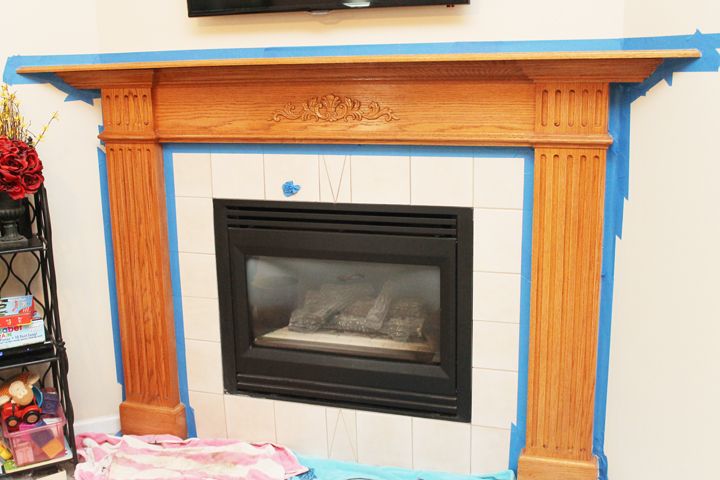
[
  {"x": 366, "y": 309},
  {"x": 364, "y": 306}
]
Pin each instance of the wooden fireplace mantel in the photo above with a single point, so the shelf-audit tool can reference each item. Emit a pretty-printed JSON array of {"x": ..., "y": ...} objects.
[{"x": 555, "y": 102}]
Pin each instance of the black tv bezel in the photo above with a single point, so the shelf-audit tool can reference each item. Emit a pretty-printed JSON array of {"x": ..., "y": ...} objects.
[{"x": 277, "y": 6}]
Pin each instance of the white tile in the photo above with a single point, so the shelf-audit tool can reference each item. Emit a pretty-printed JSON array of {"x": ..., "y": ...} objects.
[
  {"x": 238, "y": 175},
  {"x": 335, "y": 178},
  {"x": 198, "y": 277},
  {"x": 442, "y": 181},
  {"x": 494, "y": 398},
  {"x": 204, "y": 366},
  {"x": 209, "y": 411},
  {"x": 499, "y": 182},
  {"x": 342, "y": 434},
  {"x": 302, "y": 170},
  {"x": 380, "y": 179},
  {"x": 195, "y": 228},
  {"x": 201, "y": 319},
  {"x": 498, "y": 240},
  {"x": 302, "y": 427},
  {"x": 495, "y": 345},
  {"x": 250, "y": 419},
  {"x": 490, "y": 450},
  {"x": 192, "y": 175},
  {"x": 384, "y": 439},
  {"x": 441, "y": 446},
  {"x": 496, "y": 297}
]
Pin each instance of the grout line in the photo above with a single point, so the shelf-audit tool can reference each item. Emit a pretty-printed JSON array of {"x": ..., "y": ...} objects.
[
  {"x": 204, "y": 341},
  {"x": 473, "y": 180},
  {"x": 502, "y": 209},
  {"x": 264, "y": 182},
  {"x": 412, "y": 442},
  {"x": 319, "y": 178},
  {"x": 494, "y": 369},
  {"x": 492, "y": 428},
  {"x": 497, "y": 271},
  {"x": 495, "y": 321},
  {"x": 197, "y": 296},
  {"x": 212, "y": 190},
  {"x": 224, "y": 415},
  {"x": 193, "y": 196},
  {"x": 410, "y": 179},
  {"x": 275, "y": 422}
]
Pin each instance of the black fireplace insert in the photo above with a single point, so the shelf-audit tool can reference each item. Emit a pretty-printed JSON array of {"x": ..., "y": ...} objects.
[{"x": 359, "y": 306}]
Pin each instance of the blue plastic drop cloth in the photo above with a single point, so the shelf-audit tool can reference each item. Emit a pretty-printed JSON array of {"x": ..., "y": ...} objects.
[{"x": 322, "y": 469}]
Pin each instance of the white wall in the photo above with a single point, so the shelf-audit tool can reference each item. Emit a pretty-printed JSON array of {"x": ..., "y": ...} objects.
[
  {"x": 164, "y": 25},
  {"x": 664, "y": 365},
  {"x": 71, "y": 169}
]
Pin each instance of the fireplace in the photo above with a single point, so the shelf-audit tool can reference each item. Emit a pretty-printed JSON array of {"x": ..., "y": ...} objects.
[{"x": 364, "y": 306}]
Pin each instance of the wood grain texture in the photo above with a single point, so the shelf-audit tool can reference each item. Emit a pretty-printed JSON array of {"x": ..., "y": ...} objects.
[
  {"x": 426, "y": 112},
  {"x": 565, "y": 297},
  {"x": 543, "y": 468},
  {"x": 555, "y": 102},
  {"x": 139, "y": 228},
  {"x": 571, "y": 108},
  {"x": 573, "y": 56}
]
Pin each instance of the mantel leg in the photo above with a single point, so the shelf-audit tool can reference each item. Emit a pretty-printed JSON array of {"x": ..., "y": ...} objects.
[
  {"x": 565, "y": 298},
  {"x": 137, "y": 206},
  {"x": 142, "y": 267}
]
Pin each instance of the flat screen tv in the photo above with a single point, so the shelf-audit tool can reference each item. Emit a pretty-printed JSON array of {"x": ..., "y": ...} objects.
[{"x": 201, "y": 8}]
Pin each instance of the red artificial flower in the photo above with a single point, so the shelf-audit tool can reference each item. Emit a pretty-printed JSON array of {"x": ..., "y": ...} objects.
[{"x": 20, "y": 168}]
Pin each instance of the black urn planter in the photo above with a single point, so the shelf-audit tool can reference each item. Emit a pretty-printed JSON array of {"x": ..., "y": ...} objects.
[{"x": 11, "y": 211}]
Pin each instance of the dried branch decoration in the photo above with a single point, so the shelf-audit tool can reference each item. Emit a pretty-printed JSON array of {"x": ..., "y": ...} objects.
[
  {"x": 13, "y": 125},
  {"x": 333, "y": 108}
]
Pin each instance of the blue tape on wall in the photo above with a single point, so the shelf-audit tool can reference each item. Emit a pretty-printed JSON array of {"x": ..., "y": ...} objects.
[
  {"x": 704, "y": 42},
  {"x": 517, "y": 433},
  {"x": 110, "y": 259},
  {"x": 177, "y": 288},
  {"x": 617, "y": 174}
]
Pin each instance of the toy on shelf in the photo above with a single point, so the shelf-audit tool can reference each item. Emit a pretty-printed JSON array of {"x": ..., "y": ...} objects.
[
  {"x": 17, "y": 401},
  {"x": 5, "y": 452}
]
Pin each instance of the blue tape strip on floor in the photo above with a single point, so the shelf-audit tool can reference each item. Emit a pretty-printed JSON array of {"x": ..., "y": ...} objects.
[
  {"x": 177, "y": 288},
  {"x": 322, "y": 469},
  {"x": 618, "y": 159}
]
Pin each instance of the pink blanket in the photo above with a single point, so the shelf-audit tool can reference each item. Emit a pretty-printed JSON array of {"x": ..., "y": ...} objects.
[{"x": 164, "y": 457}]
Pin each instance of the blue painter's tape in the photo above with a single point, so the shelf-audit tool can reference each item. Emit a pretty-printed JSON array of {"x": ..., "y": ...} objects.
[
  {"x": 517, "y": 433},
  {"x": 617, "y": 173},
  {"x": 704, "y": 42},
  {"x": 384, "y": 150},
  {"x": 110, "y": 259},
  {"x": 177, "y": 288}
]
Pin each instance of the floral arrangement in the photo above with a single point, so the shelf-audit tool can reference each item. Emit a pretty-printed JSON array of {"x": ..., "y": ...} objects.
[{"x": 20, "y": 166}]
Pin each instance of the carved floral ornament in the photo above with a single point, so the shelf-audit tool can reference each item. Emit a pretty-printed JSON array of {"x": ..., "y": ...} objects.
[{"x": 333, "y": 108}]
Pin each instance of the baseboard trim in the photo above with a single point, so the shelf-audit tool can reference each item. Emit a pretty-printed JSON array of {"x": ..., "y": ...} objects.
[{"x": 108, "y": 424}]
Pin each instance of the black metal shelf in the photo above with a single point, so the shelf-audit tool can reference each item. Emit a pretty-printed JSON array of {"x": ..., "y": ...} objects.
[
  {"x": 34, "y": 245},
  {"x": 27, "y": 359},
  {"x": 30, "y": 270}
]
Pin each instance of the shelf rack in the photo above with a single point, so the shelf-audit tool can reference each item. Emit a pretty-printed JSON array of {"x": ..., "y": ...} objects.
[{"x": 30, "y": 270}]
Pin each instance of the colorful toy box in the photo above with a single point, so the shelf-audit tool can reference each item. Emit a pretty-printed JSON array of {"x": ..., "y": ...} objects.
[
  {"x": 16, "y": 311},
  {"x": 18, "y": 336},
  {"x": 37, "y": 443}
]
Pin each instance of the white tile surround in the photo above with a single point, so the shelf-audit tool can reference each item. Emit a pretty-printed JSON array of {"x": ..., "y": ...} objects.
[{"x": 492, "y": 186}]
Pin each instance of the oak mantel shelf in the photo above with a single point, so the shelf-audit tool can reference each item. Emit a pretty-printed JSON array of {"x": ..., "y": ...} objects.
[
  {"x": 555, "y": 102},
  {"x": 364, "y": 59}
]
